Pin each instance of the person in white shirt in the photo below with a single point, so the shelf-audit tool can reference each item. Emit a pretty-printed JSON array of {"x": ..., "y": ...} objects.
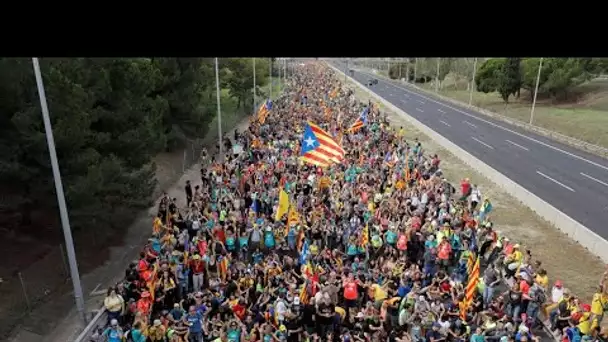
[{"x": 475, "y": 197}]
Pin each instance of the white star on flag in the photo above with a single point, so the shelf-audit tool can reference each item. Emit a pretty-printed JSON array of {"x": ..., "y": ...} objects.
[{"x": 309, "y": 141}]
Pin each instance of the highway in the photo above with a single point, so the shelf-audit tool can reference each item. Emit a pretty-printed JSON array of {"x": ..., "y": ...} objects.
[{"x": 574, "y": 181}]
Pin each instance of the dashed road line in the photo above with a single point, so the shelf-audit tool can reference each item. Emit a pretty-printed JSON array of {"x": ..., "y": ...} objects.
[
  {"x": 445, "y": 123},
  {"x": 594, "y": 179},
  {"x": 420, "y": 110},
  {"x": 555, "y": 181},
  {"x": 470, "y": 124},
  {"x": 483, "y": 143},
  {"x": 516, "y": 144}
]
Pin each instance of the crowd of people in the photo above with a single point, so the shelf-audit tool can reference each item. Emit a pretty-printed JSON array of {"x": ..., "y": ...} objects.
[{"x": 371, "y": 244}]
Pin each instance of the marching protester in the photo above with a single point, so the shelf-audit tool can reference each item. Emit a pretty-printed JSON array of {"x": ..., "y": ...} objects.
[{"x": 331, "y": 226}]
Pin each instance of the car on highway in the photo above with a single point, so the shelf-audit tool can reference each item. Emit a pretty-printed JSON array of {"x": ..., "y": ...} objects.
[{"x": 372, "y": 82}]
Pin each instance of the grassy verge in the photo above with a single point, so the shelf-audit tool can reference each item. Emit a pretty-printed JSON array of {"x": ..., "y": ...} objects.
[
  {"x": 560, "y": 256},
  {"x": 586, "y": 120}
]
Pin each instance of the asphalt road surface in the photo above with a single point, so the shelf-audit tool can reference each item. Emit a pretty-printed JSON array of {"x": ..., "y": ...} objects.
[{"x": 574, "y": 181}]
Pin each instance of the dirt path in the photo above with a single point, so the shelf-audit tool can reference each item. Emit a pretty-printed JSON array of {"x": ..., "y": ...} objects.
[{"x": 560, "y": 256}]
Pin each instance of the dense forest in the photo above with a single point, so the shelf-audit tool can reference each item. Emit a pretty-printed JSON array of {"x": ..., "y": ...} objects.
[
  {"x": 506, "y": 76},
  {"x": 110, "y": 117}
]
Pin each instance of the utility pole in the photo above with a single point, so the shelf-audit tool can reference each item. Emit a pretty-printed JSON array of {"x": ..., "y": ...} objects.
[
  {"x": 473, "y": 85},
  {"x": 407, "y": 70},
  {"x": 540, "y": 66},
  {"x": 270, "y": 75},
  {"x": 254, "y": 90},
  {"x": 415, "y": 69},
  {"x": 437, "y": 76},
  {"x": 63, "y": 210},
  {"x": 219, "y": 109}
]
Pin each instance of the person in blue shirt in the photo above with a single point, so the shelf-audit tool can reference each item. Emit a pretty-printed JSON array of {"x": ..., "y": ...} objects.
[
  {"x": 177, "y": 313},
  {"x": 194, "y": 320},
  {"x": 113, "y": 333},
  {"x": 136, "y": 334},
  {"x": 258, "y": 256},
  {"x": 269, "y": 240}
]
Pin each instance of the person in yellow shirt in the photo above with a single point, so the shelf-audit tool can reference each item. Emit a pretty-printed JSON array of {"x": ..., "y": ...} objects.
[
  {"x": 513, "y": 260},
  {"x": 599, "y": 304},
  {"x": 379, "y": 294},
  {"x": 542, "y": 279},
  {"x": 585, "y": 320}
]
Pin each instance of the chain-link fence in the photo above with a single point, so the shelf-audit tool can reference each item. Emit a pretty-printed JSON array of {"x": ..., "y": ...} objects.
[
  {"x": 579, "y": 111},
  {"x": 26, "y": 288}
]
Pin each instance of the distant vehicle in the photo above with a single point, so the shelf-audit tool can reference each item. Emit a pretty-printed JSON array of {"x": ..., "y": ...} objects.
[
  {"x": 352, "y": 72},
  {"x": 372, "y": 82}
]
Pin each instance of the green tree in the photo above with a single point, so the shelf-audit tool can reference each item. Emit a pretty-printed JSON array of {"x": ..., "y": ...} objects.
[
  {"x": 509, "y": 79},
  {"x": 488, "y": 75},
  {"x": 559, "y": 76}
]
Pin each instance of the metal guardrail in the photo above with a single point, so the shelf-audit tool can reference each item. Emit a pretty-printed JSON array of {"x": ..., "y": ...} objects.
[{"x": 98, "y": 321}]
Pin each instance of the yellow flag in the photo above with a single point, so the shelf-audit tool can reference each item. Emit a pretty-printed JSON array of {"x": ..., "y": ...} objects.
[
  {"x": 292, "y": 217},
  {"x": 283, "y": 205}
]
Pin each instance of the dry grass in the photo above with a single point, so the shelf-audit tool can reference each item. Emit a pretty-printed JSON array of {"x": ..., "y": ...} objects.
[{"x": 561, "y": 257}]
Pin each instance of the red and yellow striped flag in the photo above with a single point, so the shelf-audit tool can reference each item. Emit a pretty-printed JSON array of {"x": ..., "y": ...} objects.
[
  {"x": 365, "y": 236},
  {"x": 471, "y": 288}
]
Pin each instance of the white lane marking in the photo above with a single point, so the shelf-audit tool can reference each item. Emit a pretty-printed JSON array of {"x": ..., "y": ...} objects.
[
  {"x": 406, "y": 95},
  {"x": 403, "y": 101},
  {"x": 554, "y": 181},
  {"x": 420, "y": 110},
  {"x": 390, "y": 94},
  {"x": 483, "y": 143},
  {"x": 506, "y": 129},
  {"x": 440, "y": 111},
  {"x": 518, "y": 145},
  {"x": 421, "y": 101},
  {"x": 470, "y": 124},
  {"x": 594, "y": 179},
  {"x": 445, "y": 123}
]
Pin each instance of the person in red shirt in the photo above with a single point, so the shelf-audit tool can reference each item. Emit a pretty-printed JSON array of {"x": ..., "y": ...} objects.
[
  {"x": 444, "y": 252},
  {"x": 465, "y": 189},
  {"x": 351, "y": 293},
  {"x": 219, "y": 234},
  {"x": 144, "y": 304},
  {"x": 239, "y": 309}
]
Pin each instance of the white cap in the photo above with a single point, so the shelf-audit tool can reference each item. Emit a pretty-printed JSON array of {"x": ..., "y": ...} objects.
[{"x": 114, "y": 322}]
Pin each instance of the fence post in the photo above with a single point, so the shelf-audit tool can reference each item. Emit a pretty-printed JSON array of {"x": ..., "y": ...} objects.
[
  {"x": 63, "y": 259},
  {"x": 27, "y": 299}
]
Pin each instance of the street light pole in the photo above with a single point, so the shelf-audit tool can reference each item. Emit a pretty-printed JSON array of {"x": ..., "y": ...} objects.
[
  {"x": 540, "y": 66},
  {"x": 473, "y": 82},
  {"x": 270, "y": 75},
  {"x": 254, "y": 91},
  {"x": 437, "y": 76},
  {"x": 219, "y": 109},
  {"x": 63, "y": 211},
  {"x": 415, "y": 70}
]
